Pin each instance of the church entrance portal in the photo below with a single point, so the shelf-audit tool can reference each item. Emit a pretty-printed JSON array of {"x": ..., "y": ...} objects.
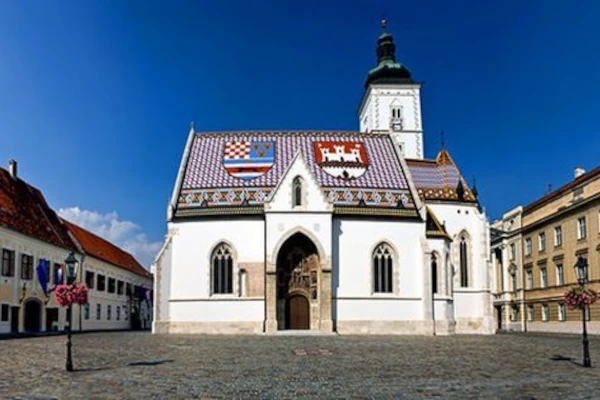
[
  {"x": 33, "y": 314},
  {"x": 297, "y": 283}
]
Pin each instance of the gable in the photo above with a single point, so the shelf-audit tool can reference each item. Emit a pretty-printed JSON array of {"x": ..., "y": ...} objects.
[{"x": 312, "y": 197}]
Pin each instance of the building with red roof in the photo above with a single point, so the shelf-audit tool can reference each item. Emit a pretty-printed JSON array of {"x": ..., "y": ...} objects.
[{"x": 35, "y": 241}]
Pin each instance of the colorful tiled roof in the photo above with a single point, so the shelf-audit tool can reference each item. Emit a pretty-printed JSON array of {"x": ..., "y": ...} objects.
[
  {"x": 23, "y": 208},
  {"x": 440, "y": 179},
  {"x": 95, "y": 246},
  {"x": 210, "y": 180}
]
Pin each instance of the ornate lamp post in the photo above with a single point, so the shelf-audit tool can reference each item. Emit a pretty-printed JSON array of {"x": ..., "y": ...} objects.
[
  {"x": 70, "y": 263},
  {"x": 581, "y": 268}
]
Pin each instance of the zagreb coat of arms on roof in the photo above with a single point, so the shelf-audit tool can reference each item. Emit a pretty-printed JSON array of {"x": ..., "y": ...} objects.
[
  {"x": 346, "y": 160},
  {"x": 248, "y": 159}
]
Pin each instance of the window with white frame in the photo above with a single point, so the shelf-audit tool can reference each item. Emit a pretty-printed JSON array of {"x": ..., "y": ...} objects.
[
  {"x": 464, "y": 261},
  {"x": 543, "y": 277},
  {"x": 513, "y": 251},
  {"x": 222, "y": 270},
  {"x": 562, "y": 312},
  {"x": 98, "y": 312},
  {"x": 529, "y": 278},
  {"x": 545, "y": 312},
  {"x": 558, "y": 236},
  {"x": 514, "y": 313},
  {"x": 118, "y": 313},
  {"x": 530, "y": 313},
  {"x": 581, "y": 228},
  {"x": 396, "y": 120},
  {"x": 297, "y": 192},
  {"x": 86, "y": 311},
  {"x": 560, "y": 274},
  {"x": 108, "y": 312},
  {"x": 528, "y": 247},
  {"x": 542, "y": 241},
  {"x": 434, "y": 274},
  {"x": 513, "y": 279},
  {"x": 383, "y": 269}
]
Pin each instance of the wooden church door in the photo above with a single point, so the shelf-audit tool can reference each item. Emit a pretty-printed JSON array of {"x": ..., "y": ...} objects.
[{"x": 298, "y": 312}]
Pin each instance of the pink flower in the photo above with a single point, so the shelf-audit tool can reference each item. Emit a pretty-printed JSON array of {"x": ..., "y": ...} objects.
[
  {"x": 67, "y": 295},
  {"x": 579, "y": 297}
]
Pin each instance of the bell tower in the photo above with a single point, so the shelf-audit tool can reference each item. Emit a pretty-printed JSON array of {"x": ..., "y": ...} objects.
[{"x": 392, "y": 100}]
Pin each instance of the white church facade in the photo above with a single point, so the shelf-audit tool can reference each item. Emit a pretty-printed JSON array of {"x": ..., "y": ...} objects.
[{"x": 347, "y": 232}]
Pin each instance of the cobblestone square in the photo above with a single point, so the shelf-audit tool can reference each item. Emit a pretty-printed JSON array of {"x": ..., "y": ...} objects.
[{"x": 134, "y": 365}]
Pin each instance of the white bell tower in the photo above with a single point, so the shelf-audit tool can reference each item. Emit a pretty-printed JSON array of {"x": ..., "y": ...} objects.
[{"x": 392, "y": 100}]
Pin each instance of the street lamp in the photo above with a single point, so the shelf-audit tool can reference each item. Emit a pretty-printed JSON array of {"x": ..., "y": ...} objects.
[
  {"x": 581, "y": 268},
  {"x": 70, "y": 263}
]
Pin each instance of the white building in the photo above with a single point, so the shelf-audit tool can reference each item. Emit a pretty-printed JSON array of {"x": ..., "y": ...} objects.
[
  {"x": 32, "y": 234},
  {"x": 327, "y": 231}
]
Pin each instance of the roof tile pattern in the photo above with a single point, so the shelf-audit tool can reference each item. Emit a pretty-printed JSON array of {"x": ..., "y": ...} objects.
[
  {"x": 23, "y": 208},
  {"x": 97, "y": 247},
  {"x": 206, "y": 181},
  {"x": 439, "y": 179}
]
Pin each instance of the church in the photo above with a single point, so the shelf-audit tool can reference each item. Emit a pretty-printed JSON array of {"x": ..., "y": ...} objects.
[{"x": 330, "y": 232}]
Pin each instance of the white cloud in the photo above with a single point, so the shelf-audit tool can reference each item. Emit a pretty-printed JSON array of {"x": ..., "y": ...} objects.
[{"x": 125, "y": 234}]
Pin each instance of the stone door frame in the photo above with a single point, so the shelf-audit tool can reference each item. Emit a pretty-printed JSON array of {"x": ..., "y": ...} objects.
[{"x": 323, "y": 319}]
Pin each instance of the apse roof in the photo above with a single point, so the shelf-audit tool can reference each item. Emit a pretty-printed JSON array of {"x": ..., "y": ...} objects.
[
  {"x": 440, "y": 179},
  {"x": 242, "y": 169}
]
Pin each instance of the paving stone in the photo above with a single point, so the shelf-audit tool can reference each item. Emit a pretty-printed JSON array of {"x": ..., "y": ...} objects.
[{"x": 135, "y": 365}]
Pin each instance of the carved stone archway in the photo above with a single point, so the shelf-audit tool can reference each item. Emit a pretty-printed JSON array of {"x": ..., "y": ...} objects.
[{"x": 298, "y": 289}]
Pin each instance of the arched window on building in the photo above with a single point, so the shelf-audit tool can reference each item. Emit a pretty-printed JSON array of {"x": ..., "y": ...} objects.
[
  {"x": 383, "y": 269},
  {"x": 297, "y": 192},
  {"x": 434, "y": 273},
  {"x": 222, "y": 270},
  {"x": 464, "y": 261}
]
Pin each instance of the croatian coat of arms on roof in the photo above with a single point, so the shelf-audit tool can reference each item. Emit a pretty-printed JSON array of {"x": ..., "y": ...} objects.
[
  {"x": 346, "y": 160},
  {"x": 248, "y": 159}
]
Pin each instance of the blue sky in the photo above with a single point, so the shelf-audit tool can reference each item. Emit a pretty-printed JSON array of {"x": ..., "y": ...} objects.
[{"x": 96, "y": 97}]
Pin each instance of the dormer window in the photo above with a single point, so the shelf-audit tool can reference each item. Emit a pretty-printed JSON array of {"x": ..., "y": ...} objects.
[
  {"x": 396, "y": 120},
  {"x": 297, "y": 192}
]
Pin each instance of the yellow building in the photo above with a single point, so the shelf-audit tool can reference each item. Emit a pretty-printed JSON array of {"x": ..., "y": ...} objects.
[{"x": 552, "y": 233}]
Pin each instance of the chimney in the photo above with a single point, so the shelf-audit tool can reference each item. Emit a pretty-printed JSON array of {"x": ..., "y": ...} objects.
[
  {"x": 12, "y": 168},
  {"x": 578, "y": 172}
]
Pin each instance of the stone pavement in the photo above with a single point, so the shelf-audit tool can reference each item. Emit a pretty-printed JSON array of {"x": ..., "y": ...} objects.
[{"x": 138, "y": 365}]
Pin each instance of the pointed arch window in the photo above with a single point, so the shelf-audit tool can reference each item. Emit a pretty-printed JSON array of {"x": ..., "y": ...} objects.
[
  {"x": 222, "y": 270},
  {"x": 383, "y": 269},
  {"x": 297, "y": 192},
  {"x": 434, "y": 274},
  {"x": 464, "y": 263}
]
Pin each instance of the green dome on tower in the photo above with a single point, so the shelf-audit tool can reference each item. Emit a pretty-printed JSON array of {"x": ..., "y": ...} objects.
[{"x": 387, "y": 69}]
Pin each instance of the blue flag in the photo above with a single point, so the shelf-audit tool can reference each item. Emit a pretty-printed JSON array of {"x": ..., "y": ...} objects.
[{"x": 42, "y": 271}]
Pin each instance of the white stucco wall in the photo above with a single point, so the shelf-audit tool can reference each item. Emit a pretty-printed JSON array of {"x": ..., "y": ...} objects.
[
  {"x": 354, "y": 243},
  {"x": 192, "y": 246},
  {"x": 474, "y": 302}
]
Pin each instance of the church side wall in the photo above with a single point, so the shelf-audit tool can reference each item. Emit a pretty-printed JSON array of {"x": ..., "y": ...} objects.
[
  {"x": 473, "y": 304},
  {"x": 192, "y": 306},
  {"x": 356, "y": 308}
]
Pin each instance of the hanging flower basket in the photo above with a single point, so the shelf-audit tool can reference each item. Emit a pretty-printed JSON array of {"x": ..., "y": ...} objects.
[
  {"x": 67, "y": 295},
  {"x": 579, "y": 297}
]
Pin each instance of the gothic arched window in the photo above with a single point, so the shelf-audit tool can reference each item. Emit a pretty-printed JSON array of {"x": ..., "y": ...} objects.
[
  {"x": 434, "y": 274},
  {"x": 464, "y": 262},
  {"x": 383, "y": 269},
  {"x": 297, "y": 192},
  {"x": 222, "y": 270}
]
